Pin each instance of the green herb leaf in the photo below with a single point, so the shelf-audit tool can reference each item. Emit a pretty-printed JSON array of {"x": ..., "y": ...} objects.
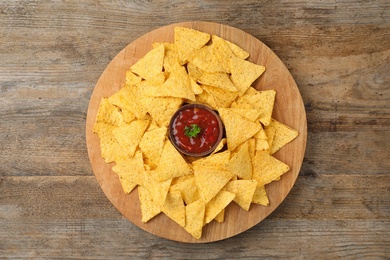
[{"x": 192, "y": 131}]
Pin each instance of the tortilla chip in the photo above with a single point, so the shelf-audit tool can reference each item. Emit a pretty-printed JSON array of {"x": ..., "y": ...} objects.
[
  {"x": 261, "y": 100},
  {"x": 219, "y": 80},
  {"x": 151, "y": 64},
  {"x": 239, "y": 52},
  {"x": 238, "y": 129},
  {"x": 270, "y": 132},
  {"x": 283, "y": 135},
  {"x": 172, "y": 164},
  {"x": 193, "y": 71},
  {"x": 129, "y": 135},
  {"x": 161, "y": 109},
  {"x": 130, "y": 172},
  {"x": 221, "y": 97},
  {"x": 217, "y": 204},
  {"x": 244, "y": 190},
  {"x": 148, "y": 208},
  {"x": 261, "y": 141},
  {"x": 157, "y": 189},
  {"x": 152, "y": 143},
  {"x": 248, "y": 113},
  {"x": 241, "y": 163},
  {"x": 132, "y": 79},
  {"x": 220, "y": 217},
  {"x": 109, "y": 113},
  {"x": 205, "y": 60},
  {"x": 244, "y": 73},
  {"x": 109, "y": 147},
  {"x": 170, "y": 57},
  {"x": 220, "y": 146},
  {"x": 174, "y": 208},
  {"x": 260, "y": 196},
  {"x": 194, "y": 218},
  {"x": 216, "y": 160},
  {"x": 210, "y": 181},
  {"x": 187, "y": 41},
  {"x": 187, "y": 188},
  {"x": 267, "y": 168},
  {"x": 222, "y": 52},
  {"x": 195, "y": 87}
]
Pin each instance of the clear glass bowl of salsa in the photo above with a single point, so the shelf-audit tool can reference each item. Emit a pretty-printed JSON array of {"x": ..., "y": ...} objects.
[{"x": 195, "y": 130}]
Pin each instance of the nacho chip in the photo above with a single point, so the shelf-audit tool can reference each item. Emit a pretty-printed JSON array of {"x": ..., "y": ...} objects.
[
  {"x": 248, "y": 113},
  {"x": 219, "y": 80},
  {"x": 109, "y": 113},
  {"x": 157, "y": 189},
  {"x": 241, "y": 163},
  {"x": 161, "y": 109},
  {"x": 172, "y": 164},
  {"x": 187, "y": 188},
  {"x": 170, "y": 57},
  {"x": 244, "y": 73},
  {"x": 193, "y": 71},
  {"x": 216, "y": 160},
  {"x": 222, "y": 52},
  {"x": 270, "y": 132},
  {"x": 267, "y": 168},
  {"x": 205, "y": 60},
  {"x": 260, "y": 196},
  {"x": 174, "y": 208},
  {"x": 150, "y": 64},
  {"x": 261, "y": 141},
  {"x": 129, "y": 135},
  {"x": 238, "y": 129},
  {"x": 239, "y": 52},
  {"x": 220, "y": 146},
  {"x": 195, "y": 87},
  {"x": 109, "y": 147},
  {"x": 194, "y": 218},
  {"x": 244, "y": 190},
  {"x": 187, "y": 41},
  {"x": 217, "y": 204},
  {"x": 152, "y": 143},
  {"x": 261, "y": 100},
  {"x": 148, "y": 208},
  {"x": 130, "y": 172},
  {"x": 210, "y": 181},
  {"x": 132, "y": 79},
  {"x": 220, "y": 217},
  {"x": 221, "y": 97},
  {"x": 283, "y": 135}
]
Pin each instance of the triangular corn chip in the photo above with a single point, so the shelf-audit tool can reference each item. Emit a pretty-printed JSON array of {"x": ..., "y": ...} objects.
[
  {"x": 187, "y": 41},
  {"x": 150, "y": 64},
  {"x": 241, "y": 163},
  {"x": 267, "y": 168},
  {"x": 244, "y": 190},
  {"x": 219, "y": 80},
  {"x": 283, "y": 135},
  {"x": 217, "y": 204},
  {"x": 152, "y": 143},
  {"x": 148, "y": 208},
  {"x": 238, "y": 129},
  {"x": 129, "y": 135},
  {"x": 194, "y": 218},
  {"x": 174, "y": 208},
  {"x": 244, "y": 73},
  {"x": 260, "y": 196}
]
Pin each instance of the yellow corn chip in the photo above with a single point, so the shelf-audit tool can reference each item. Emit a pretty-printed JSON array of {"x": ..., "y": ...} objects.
[
  {"x": 222, "y": 52},
  {"x": 174, "y": 208},
  {"x": 172, "y": 164},
  {"x": 239, "y": 52},
  {"x": 244, "y": 190},
  {"x": 161, "y": 109},
  {"x": 261, "y": 100},
  {"x": 216, "y": 160},
  {"x": 283, "y": 135},
  {"x": 130, "y": 172},
  {"x": 238, "y": 129},
  {"x": 148, "y": 208},
  {"x": 170, "y": 57},
  {"x": 194, "y": 218},
  {"x": 187, "y": 41},
  {"x": 206, "y": 99},
  {"x": 187, "y": 188},
  {"x": 220, "y": 217},
  {"x": 152, "y": 143},
  {"x": 195, "y": 87},
  {"x": 222, "y": 98},
  {"x": 219, "y": 146},
  {"x": 129, "y": 135},
  {"x": 244, "y": 73},
  {"x": 248, "y": 113},
  {"x": 261, "y": 141},
  {"x": 109, "y": 147},
  {"x": 205, "y": 59},
  {"x": 260, "y": 196},
  {"x": 109, "y": 113},
  {"x": 210, "y": 181},
  {"x": 132, "y": 79},
  {"x": 252, "y": 147},
  {"x": 270, "y": 132},
  {"x": 219, "y": 80},
  {"x": 157, "y": 189},
  {"x": 193, "y": 71},
  {"x": 241, "y": 163},
  {"x": 150, "y": 64},
  {"x": 267, "y": 168},
  {"x": 217, "y": 204}
]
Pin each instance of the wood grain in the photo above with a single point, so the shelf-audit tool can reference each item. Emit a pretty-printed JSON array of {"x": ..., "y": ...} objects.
[
  {"x": 288, "y": 109},
  {"x": 51, "y": 56}
]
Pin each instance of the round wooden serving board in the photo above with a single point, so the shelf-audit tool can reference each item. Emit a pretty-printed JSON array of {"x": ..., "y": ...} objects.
[{"x": 288, "y": 109}]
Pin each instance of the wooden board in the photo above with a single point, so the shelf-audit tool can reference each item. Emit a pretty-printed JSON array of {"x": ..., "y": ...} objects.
[{"x": 288, "y": 109}]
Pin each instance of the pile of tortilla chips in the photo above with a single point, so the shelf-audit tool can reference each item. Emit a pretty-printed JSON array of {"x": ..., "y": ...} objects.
[{"x": 132, "y": 125}]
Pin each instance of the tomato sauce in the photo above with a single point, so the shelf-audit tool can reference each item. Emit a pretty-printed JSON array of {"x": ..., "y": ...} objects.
[{"x": 209, "y": 133}]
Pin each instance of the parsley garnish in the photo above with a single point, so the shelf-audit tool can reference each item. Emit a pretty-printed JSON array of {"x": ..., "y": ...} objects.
[{"x": 192, "y": 131}]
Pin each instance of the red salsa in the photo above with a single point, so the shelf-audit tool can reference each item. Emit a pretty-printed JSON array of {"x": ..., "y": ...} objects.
[{"x": 195, "y": 130}]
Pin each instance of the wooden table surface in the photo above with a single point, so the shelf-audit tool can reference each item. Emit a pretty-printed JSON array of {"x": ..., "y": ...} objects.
[{"x": 51, "y": 56}]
